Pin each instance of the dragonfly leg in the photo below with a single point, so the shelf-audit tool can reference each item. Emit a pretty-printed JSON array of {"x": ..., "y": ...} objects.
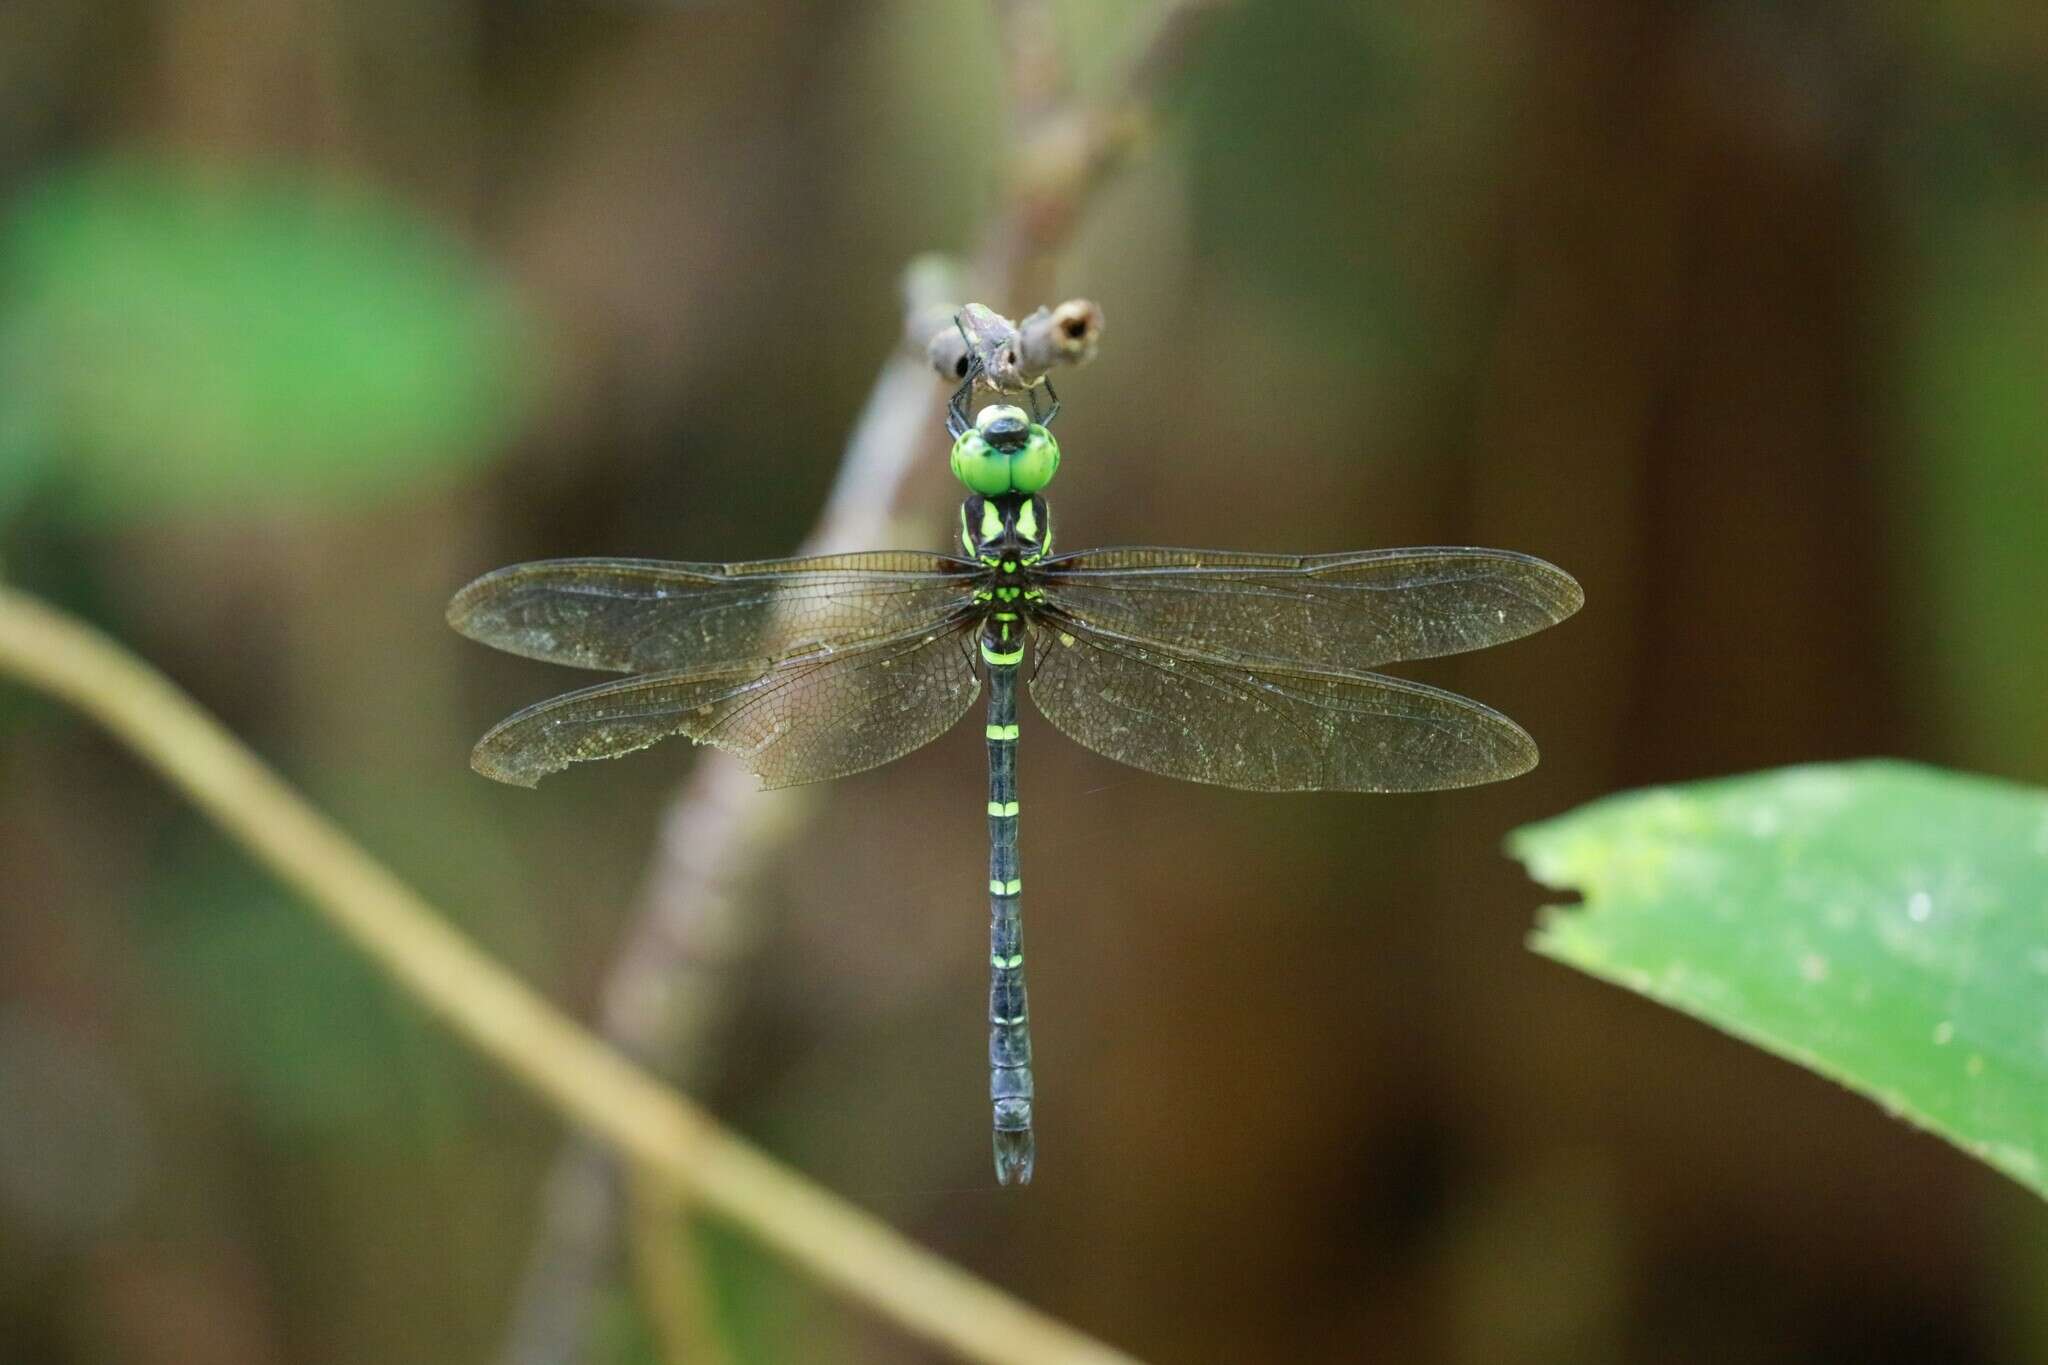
[
  {"x": 1052, "y": 395},
  {"x": 958, "y": 416}
]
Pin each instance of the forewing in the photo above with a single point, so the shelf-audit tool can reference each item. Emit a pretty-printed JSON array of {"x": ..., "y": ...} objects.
[
  {"x": 1344, "y": 611},
  {"x": 801, "y": 720},
  {"x": 1261, "y": 729},
  {"x": 644, "y": 615}
]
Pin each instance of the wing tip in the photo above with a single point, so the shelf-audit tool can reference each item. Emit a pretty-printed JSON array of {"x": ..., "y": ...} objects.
[
  {"x": 498, "y": 760},
  {"x": 1526, "y": 761},
  {"x": 462, "y": 607},
  {"x": 1517, "y": 756},
  {"x": 488, "y": 763},
  {"x": 1565, "y": 596},
  {"x": 1571, "y": 594},
  {"x": 1518, "y": 747},
  {"x": 469, "y": 610},
  {"x": 1507, "y": 752}
]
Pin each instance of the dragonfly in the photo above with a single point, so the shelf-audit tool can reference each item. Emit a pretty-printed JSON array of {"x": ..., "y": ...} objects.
[{"x": 1217, "y": 666}]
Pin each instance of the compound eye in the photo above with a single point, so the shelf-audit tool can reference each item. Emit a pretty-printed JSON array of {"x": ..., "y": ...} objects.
[
  {"x": 983, "y": 470},
  {"x": 1032, "y": 469}
]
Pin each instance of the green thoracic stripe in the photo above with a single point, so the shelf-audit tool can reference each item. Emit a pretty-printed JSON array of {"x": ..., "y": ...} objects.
[
  {"x": 1006, "y": 808},
  {"x": 1009, "y": 888},
  {"x": 991, "y": 521},
  {"x": 1002, "y": 732},
  {"x": 1002, "y": 660}
]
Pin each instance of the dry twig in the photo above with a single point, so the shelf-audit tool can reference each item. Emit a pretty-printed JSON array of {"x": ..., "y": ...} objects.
[{"x": 1016, "y": 355}]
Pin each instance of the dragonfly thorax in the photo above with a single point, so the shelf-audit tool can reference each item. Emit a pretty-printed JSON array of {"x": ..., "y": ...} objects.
[{"x": 1008, "y": 532}]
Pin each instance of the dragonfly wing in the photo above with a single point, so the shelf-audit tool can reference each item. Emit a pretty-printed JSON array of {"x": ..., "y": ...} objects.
[
  {"x": 644, "y": 615},
  {"x": 798, "y": 720},
  {"x": 1344, "y": 611},
  {"x": 1266, "y": 729}
]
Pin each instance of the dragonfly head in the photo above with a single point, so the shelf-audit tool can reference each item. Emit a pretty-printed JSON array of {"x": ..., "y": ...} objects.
[
  {"x": 1005, "y": 452},
  {"x": 1004, "y": 427}
]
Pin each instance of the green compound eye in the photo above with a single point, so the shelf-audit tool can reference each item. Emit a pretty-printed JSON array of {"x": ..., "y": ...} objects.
[
  {"x": 982, "y": 469},
  {"x": 1032, "y": 468},
  {"x": 1006, "y": 452}
]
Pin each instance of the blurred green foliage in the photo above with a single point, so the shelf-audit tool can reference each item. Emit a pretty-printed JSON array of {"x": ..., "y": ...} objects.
[
  {"x": 1979, "y": 401},
  {"x": 1885, "y": 924},
  {"x": 1385, "y": 117},
  {"x": 178, "y": 334},
  {"x": 313, "y": 1038}
]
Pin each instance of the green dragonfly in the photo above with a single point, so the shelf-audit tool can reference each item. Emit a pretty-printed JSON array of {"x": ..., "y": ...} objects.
[{"x": 1241, "y": 670}]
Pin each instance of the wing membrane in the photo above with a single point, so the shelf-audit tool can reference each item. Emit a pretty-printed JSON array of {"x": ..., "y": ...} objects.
[
  {"x": 1343, "y": 611},
  {"x": 643, "y": 615},
  {"x": 1266, "y": 729},
  {"x": 802, "y": 719}
]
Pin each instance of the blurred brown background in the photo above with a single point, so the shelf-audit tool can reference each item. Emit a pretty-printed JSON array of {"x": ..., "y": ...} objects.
[{"x": 310, "y": 311}]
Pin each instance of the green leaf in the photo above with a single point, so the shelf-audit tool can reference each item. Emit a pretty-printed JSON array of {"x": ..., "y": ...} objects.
[
  {"x": 1882, "y": 923},
  {"x": 171, "y": 335}
]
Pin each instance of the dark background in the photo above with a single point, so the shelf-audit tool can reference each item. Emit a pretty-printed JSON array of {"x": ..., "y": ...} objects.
[{"x": 311, "y": 310}]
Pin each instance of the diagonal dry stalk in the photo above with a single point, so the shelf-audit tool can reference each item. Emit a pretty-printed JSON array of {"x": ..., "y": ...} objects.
[
  {"x": 672, "y": 1144},
  {"x": 668, "y": 991}
]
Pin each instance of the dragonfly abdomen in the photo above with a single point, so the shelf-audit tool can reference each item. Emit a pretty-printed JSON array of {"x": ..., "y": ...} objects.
[{"x": 1009, "y": 1014}]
